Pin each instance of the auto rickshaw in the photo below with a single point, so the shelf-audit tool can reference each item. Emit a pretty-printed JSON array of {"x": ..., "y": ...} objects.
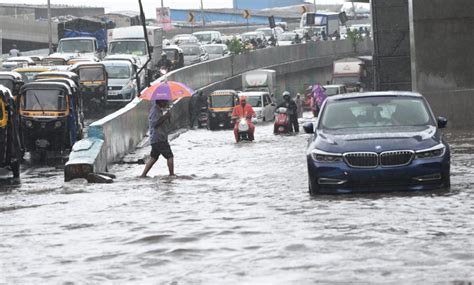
[
  {"x": 75, "y": 60},
  {"x": 49, "y": 117},
  {"x": 175, "y": 54},
  {"x": 10, "y": 147},
  {"x": 28, "y": 73},
  {"x": 221, "y": 103},
  {"x": 92, "y": 85},
  {"x": 11, "y": 80}
]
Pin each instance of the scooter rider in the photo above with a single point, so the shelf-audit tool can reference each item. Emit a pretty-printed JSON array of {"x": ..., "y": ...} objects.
[
  {"x": 164, "y": 62},
  {"x": 292, "y": 110},
  {"x": 243, "y": 110}
]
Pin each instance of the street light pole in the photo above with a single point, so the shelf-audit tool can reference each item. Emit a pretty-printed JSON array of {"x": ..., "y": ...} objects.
[
  {"x": 314, "y": 1},
  {"x": 50, "y": 29},
  {"x": 202, "y": 14},
  {"x": 162, "y": 3}
]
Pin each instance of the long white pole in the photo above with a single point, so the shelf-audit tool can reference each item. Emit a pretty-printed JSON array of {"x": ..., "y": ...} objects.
[
  {"x": 314, "y": 1},
  {"x": 202, "y": 14},
  {"x": 50, "y": 29}
]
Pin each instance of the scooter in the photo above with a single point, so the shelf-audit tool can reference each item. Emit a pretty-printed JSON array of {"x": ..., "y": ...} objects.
[
  {"x": 243, "y": 130},
  {"x": 203, "y": 117},
  {"x": 282, "y": 121}
]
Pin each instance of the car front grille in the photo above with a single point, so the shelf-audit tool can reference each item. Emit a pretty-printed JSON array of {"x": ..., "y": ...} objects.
[
  {"x": 385, "y": 159},
  {"x": 361, "y": 159},
  {"x": 396, "y": 158}
]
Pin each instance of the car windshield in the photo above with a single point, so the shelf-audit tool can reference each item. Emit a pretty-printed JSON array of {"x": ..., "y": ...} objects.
[
  {"x": 191, "y": 50},
  {"x": 73, "y": 46},
  {"x": 375, "y": 112},
  {"x": 54, "y": 61},
  {"x": 346, "y": 80},
  {"x": 137, "y": 48},
  {"x": 287, "y": 37},
  {"x": 44, "y": 100},
  {"x": 248, "y": 37},
  {"x": 267, "y": 32},
  {"x": 171, "y": 54},
  {"x": 28, "y": 76},
  {"x": 332, "y": 91},
  {"x": 118, "y": 71},
  {"x": 214, "y": 49},
  {"x": 91, "y": 74},
  {"x": 255, "y": 101},
  {"x": 7, "y": 83},
  {"x": 203, "y": 37},
  {"x": 222, "y": 101}
]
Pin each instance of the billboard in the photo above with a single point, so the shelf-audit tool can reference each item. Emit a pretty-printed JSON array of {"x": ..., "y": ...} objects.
[{"x": 163, "y": 18}]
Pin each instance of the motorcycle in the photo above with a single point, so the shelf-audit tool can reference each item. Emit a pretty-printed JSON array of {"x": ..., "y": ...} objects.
[
  {"x": 282, "y": 121},
  {"x": 203, "y": 117},
  {"x": 243, "y": 130}
]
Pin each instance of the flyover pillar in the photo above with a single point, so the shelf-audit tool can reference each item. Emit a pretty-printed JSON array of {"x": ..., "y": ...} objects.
[{"x": 442, "y": 56}]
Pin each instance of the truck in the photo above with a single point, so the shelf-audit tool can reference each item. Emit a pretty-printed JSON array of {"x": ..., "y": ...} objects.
[
  {"x": 259, "y": 80},
  {"x": 131, "y": 41},
  {"x": 83, "y": 38},
  {"x": 354, "y": 73},
  {"x": 323, "y": 21}
]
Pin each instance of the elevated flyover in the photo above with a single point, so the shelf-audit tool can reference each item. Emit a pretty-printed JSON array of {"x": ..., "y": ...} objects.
[{"x": 117, "y": 134}]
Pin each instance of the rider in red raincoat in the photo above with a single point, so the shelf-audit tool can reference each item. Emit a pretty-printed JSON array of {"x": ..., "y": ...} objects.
[{"x": 243, "y": 110}]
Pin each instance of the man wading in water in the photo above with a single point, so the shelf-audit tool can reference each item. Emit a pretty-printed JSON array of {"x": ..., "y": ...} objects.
[{"x": 159, "y": 126}]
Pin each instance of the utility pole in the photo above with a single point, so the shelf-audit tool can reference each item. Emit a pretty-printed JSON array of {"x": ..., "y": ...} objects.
[
  {"x": 50, "y": 29},
  {"x": 162, "y": 3},
  {"x": 202, "y": 14},
  {"x": 314, "y": 2}
]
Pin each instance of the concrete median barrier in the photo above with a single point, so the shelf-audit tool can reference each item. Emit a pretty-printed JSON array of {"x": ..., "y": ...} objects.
[{"x": 114, "y": 136}]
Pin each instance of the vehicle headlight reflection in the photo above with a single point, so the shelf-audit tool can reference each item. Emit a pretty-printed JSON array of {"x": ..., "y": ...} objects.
[
  {"x": 322, "y": 156},
  {"x": 436, "y": 151}
]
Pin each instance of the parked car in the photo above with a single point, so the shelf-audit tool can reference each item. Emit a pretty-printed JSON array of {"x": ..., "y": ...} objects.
[
  {"x": 216, "y": 50},
  {"x": 377, "y": 141},
  {"x": 15, "y": 62},
  {"x": 269, "y": 32},
  {"x": 289, "y": 38},
  {"x": 194, "y": 54},
  {"x": 209, "y": 37},
  {"x": 258, "y": 37},
  {"x": 336, "y": 89},
  {"x": 184, "y": 39},
  {"x": 262, "y": 104},
  {"x": 121, "y": 81}
]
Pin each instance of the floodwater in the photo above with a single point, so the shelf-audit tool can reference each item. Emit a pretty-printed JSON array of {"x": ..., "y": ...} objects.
[{"x": 238, "y": 213}]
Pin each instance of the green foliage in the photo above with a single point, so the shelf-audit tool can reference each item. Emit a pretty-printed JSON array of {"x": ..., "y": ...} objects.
[
  {"x": 355, "y": 37},
  {"x": 235, "y": 46}
]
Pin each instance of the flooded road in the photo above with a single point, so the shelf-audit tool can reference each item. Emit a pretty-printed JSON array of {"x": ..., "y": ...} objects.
[{"x": 238, "y": 213}]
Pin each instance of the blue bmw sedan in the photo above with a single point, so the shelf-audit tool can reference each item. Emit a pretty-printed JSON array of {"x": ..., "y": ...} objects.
[{"x": 375, "y": 142}]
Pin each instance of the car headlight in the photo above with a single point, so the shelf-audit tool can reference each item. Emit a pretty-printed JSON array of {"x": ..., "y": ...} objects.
[
  {"x": 29, "y": 124},
  {"x": 436, "y": 151},
  {"x": 322, "y": 156},
  {"x": 57, "y": 124}
]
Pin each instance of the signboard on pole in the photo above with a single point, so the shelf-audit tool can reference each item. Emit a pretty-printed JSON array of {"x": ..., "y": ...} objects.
[
  {"x": 163, "y": 18},
  {"x": 191, "y": 17},
  {"x": 247, "y": 14}
]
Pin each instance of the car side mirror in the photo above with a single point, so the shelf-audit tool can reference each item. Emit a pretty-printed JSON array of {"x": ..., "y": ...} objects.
[
  {"x": 442, "y": 122},
  {"x": 308, "y": 128}
]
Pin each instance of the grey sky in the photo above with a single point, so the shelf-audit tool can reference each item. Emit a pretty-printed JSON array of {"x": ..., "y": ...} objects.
[{"x": 149, "y": 5}]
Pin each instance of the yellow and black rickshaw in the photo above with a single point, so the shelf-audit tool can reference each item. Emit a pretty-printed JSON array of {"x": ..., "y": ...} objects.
[
  {"x": 28, "y": 73},
  {"x": 49, "y": 117},
  {"x": 10, "y": 147},
  {"x": 175, "y": 54},
  {"x": 11, "y": 80},
  {"x": 221, "y": 103},
  {"x": 92, "y": 85}
]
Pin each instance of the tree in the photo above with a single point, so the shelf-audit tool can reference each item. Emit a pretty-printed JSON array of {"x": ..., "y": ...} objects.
[{"x": 355, "y": 37}]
